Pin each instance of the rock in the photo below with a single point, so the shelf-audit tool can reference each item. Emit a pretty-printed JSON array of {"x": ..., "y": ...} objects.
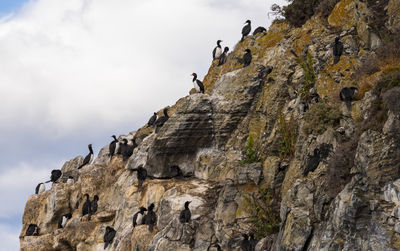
[{"x": 70, "y": 168}]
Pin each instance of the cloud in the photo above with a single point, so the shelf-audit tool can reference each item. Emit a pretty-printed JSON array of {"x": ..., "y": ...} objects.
[{"x": 9, "y": 238}]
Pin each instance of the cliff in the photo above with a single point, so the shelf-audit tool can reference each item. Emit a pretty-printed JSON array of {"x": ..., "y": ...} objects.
[{"x": 268, "y": 149}]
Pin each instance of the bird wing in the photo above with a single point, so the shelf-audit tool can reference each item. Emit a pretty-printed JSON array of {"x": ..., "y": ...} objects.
[
  {"x": 200, "y": 84},
  {"x": 214, "y": 51},
  {"x": 246, "y": 30}
]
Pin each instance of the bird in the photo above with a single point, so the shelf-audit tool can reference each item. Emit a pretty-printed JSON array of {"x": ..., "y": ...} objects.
[
  {"x": 217, "y": 50},
  {"x": 259, "y": 29},
  {"x": 312, "y": 162},
  {"x": 246, "y": 59},
  {"x": 55, "y": 175},
  {"x": 161, "y": 120},
  {"x": 245, "y": 245},
  {"x": 152, "y": 120},
  {"x": 112, "y": 147},
  {"x": 253, "y": 241},
  {"x": 337, "y": 50},
  {"x": 32, "y": 229},
  {"x": 40, "y": 188},
  {"x": 185, "y": 215},
  {"x": 93, "y": 204},
  {"x": 348, "y": 94},
  {"x": 109, "y": 236},
  {"x": 198, "y": 85},
  {"x": 88, "y": 159},
  {"x": 175, "y": 171},
  {"x": 246, "y": 29},
  {"x": 63, "y": 220},
  {"x": 87, "y": 207},
  {"x": 141, "y": 175},
  {"x": 126, "y": 150},
  {"x": 138, "y": 217},
  {"x": 223, "y": 57},
  {"x": 150, "y": 218},
  {"x": 70, "y": 180}
]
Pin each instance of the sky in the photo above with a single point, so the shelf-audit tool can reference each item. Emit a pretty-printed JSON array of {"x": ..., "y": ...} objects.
[{"x": 76, "y": 72}]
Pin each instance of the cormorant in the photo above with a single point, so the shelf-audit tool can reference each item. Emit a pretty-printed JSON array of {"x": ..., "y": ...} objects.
[
  {"x": 63, "y": 220},
  {"x": 109, "y": 236},
  {"x": 313, "y": 161},
  {"x": 87, "y": 208},
  {"x": 126, "y": 150},
  {"x": 55, "y": 175},
  {"x": 93, "y": 204},
  {"x": 152, "y": 120},
  {"x": 150, "y": 218},
  {"x": 185, "y": 214},
  {"x": 245, "y": 245},
  {"x": 253, "y": 241},
  {"x": 161, "y": 120},
  {"x": 348, "y": 94},
  {"x": 88, "y": 159},
  {"x": 217, "y": 50},
  {"x": 223, "y": 57},
  {"x": 198, "y": 85},
  {"x": 246, "y": 29},
  {"x": 259, "y": 30},
  {"x": 40, "y": 188},
  {"x": 141, "y": 175},
  {"x": 32, "y": 229},
  {"x": 138, "y": 217},
  {"x": 112, "y": 146},
  {"x": 246, "y": 59},
  {"x": 337, "y": 50}
]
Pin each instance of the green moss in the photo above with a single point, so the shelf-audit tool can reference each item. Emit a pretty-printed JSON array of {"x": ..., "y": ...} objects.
[
  {"x": 321, "y": 116},
  {"x": 249, "y": 152}
]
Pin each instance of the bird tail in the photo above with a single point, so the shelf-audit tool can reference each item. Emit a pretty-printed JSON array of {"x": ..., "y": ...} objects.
[
  {"x": 336, "y": 60},
  {"x": 105, "y": 245},
  {"x": 48, "y": 181},
  {"x": 140, "y": 183},
  {"x": 79, "y": 167},
  {"x": 348, "y": 104},
  {"x": 241, "y": 40},
  {"x": 151, "y": 227}
]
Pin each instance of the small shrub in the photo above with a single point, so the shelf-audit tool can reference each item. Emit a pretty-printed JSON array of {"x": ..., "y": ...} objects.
[
  {"x": 325, "y": 7},
  {"x": 363, "y": 88},
  {"x": 250, "y": 153},
  {"x": 299, "y": 11},
  {"x": 287, "y": 131},
  {"x": 391, "y": 98},
  {"x": 368, "y": 67},
  {"x": 264, "y": 212},
  {"x": 321, "y": 116}
]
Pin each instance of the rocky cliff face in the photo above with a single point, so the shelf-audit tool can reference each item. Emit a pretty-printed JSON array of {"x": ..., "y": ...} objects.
[{"x": 268, "y": 149}]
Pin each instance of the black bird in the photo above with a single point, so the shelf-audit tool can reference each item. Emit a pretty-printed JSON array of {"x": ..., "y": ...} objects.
[
  {"x": 259, "y": 30},
  {"x": 40, "y": 188},
  {"x": 348, "y": 94},
  {"x": 198, "y": 85},
  {"x": 141, "y": 175},
  {"x": 217, "y": 50},
  {"x": 112, "y": 146},
  {"x": 150, "y": 218},
  {"x": 246, "y": 59},
  {"x": 175, "y": 171},
  {"x": 161, "y": 120},
  {"x": 312, "y": 162},
  {"x": 245, "y": 245},
  {"x": 88, "y": 157},
  {"x": 185, "y": 214},
  {"x": 138, "y": 217},
  {"x": 109, "y": 236},
  {"x": 246, "y": 29},
  {"x": 253, "y": 241},
  {"x": 337, "y": 50},
  {"x": 32, "y": 229},
  {"x": 63, "y": 220},
  {"x": 223, "y": 57},
  {"x": 55, "y": 175},
  {"x": 152, "y": 119},
  {"x": 87, "y": 207},
  {"x": 126, "y": 150},
  {"x": 93, "y": 204}
]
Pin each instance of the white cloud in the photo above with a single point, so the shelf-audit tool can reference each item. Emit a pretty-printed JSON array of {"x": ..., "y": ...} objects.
[{"x": 9, "y": 238}]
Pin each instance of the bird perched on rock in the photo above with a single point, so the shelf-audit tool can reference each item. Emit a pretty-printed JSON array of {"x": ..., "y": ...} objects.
[
  {"x": 246, "y": 59},
  {"x": 88, "y": 159},
  {"x": 348, "y": 94},
  {"x": 40, "y": 188},
  {"x": 150, "y": 218},
  {"x": 55, "y": 175},
  {"x": 32, "y": 230},
  {"x": 93, "y": 204},
  {"x": 198, "y": 85},
  {"x": 126, "y": 150},
  {"x": 138, "y": 217},
  {"x": 112, "y": 147},
  {"x": 217, "y": 50},
  {"x": 161, "y": 120},
  {"x": 259, "y": 29},
  {"x": 223, "y": 57},
  {"x": 152, "y": 120},
  {"x": 185, "y": 215},
  {"x": 246, "y": 29},
  {"x": 337, "y": 50},
  {"x": 87, "y": 207},
  {"x": 109, "y": 236},
  {"x": 141, "y": 175},
  {"x": 63, "y": 220},
  {"x": 313, "y": 161},
  {"x": 245, "y": 245}
]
